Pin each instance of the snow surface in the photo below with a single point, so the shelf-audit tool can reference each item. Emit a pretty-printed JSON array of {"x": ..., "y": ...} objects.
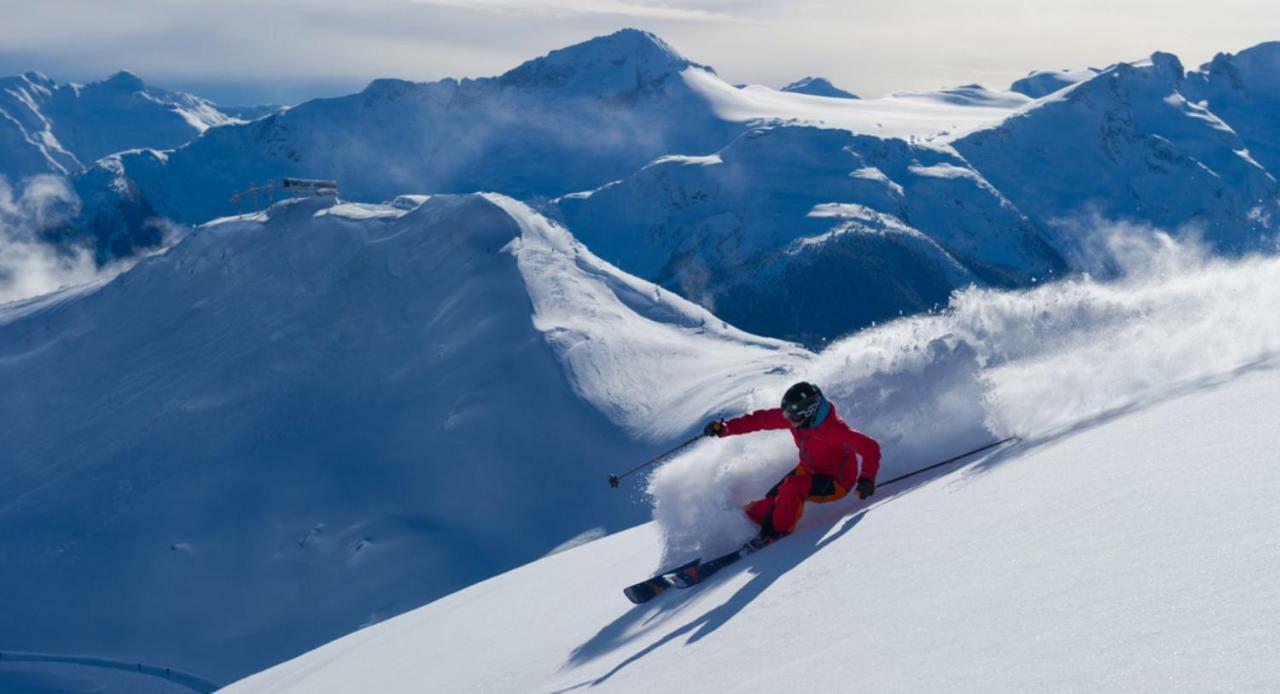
[
  {"x": 940, "y": 115},
  {"x": 320, "y": 416},
  {"x": 1125, "y": 545}
]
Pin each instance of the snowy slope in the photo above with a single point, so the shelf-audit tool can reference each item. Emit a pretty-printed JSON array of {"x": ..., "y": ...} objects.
[
  {"x": 46, "y": 127},
  {"x": 28, "y": 145},
  {"x": 1244, "y": 90},
  {"x": 810, "y": 233},
  {"x": 935, "y": 115},
  {"x": 303, "y": 421},
  {"x": 1127, "y": 145},
  {"x": 1127, "y": 544}
]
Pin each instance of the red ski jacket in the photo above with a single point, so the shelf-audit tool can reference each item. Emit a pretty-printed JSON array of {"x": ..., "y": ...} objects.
[{"x": 830, "y": 448}]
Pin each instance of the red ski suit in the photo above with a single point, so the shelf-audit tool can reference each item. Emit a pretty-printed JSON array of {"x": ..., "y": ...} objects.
[{"x": 829, "y": 463}]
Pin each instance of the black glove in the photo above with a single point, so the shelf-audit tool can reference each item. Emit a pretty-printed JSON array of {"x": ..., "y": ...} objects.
[
  {"x": 866, "y": 487},
  {"x": 715, "y": 428}
]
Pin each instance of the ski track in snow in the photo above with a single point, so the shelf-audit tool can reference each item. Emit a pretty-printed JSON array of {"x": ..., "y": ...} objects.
[{"x": 20, "y": 670}]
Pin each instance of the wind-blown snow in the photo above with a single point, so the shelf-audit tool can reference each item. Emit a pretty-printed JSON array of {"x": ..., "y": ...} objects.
[{"x": 1034, "y": 363}]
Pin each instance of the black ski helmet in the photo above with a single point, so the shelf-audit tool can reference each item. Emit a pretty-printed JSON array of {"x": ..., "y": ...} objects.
[{"x": 800, "y": 403}]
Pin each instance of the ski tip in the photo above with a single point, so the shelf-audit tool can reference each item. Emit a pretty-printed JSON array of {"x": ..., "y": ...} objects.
[
  {"x": 647, "y": 590},
  {"x": 644, "y": 592}
]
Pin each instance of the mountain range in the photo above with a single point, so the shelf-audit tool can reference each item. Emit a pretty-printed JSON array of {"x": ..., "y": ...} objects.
[
  {"x": 47, "y": 127},
  {"x": 996, "y": 188}
]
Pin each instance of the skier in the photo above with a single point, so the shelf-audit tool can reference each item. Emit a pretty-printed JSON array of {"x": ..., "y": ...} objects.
[{"x": 829, "y": 458}]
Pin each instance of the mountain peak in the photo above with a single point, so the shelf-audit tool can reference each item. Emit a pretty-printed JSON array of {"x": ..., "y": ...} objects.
[
  {"x": 124, "y": 81},
  {"x": 1161, "y": 71},
  {"x": 1040, "y": 83},
  {"x": 1256, "y": 66},
  {"x": 818, "y": 86},
  {"x": 1263, "y": 55},
  {"x": 1167, "y": 66},
  {"x": 623, "y": 61}
]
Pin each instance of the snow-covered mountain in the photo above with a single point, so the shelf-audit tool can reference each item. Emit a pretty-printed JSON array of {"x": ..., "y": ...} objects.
[
  {"x": 1126, "y": 144},
  {"x": 569, "y": 121},
  {"x": 306, "y": 420},
  {"x": 810, "y": 232},
  {"x": 46, "y": 127},
  {"x": 818, "y": 86},
  {"x": 1070, "y": 561},
  {"x": 1244, "y": 90}
]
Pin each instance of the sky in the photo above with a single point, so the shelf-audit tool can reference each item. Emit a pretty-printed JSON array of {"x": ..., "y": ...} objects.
[{"x": 240, "y": 52}]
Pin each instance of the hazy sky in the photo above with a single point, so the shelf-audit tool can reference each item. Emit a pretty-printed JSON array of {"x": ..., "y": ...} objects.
[{"x": 286, "y": 50}]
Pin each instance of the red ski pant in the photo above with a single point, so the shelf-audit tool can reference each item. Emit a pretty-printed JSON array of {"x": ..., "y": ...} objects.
[{"x": 784, "y": 504}]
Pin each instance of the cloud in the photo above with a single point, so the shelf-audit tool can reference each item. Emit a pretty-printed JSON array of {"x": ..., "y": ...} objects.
[
  {"x": 29, "y": 266},
  {"x": 555, "y": 8}
]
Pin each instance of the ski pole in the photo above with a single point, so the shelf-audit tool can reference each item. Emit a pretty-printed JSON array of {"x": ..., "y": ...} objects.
[
  {"x": 614, "y": 480},
  {"x": 948, "y": 461}
]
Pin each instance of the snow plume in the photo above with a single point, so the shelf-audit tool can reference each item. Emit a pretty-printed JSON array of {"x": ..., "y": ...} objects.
[
  {"x": 29, "y": 266},
  {"x": 1039, "y": 363},
  {"x": 1074, "y": 352}
]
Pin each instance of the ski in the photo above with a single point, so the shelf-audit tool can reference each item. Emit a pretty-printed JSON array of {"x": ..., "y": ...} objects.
[
  {"x": 648, "y": 589},
  {"x": 691, "y": 575}
]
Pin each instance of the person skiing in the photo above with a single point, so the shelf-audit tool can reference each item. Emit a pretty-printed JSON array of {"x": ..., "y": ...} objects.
[{"x": 834, "y": 458}]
